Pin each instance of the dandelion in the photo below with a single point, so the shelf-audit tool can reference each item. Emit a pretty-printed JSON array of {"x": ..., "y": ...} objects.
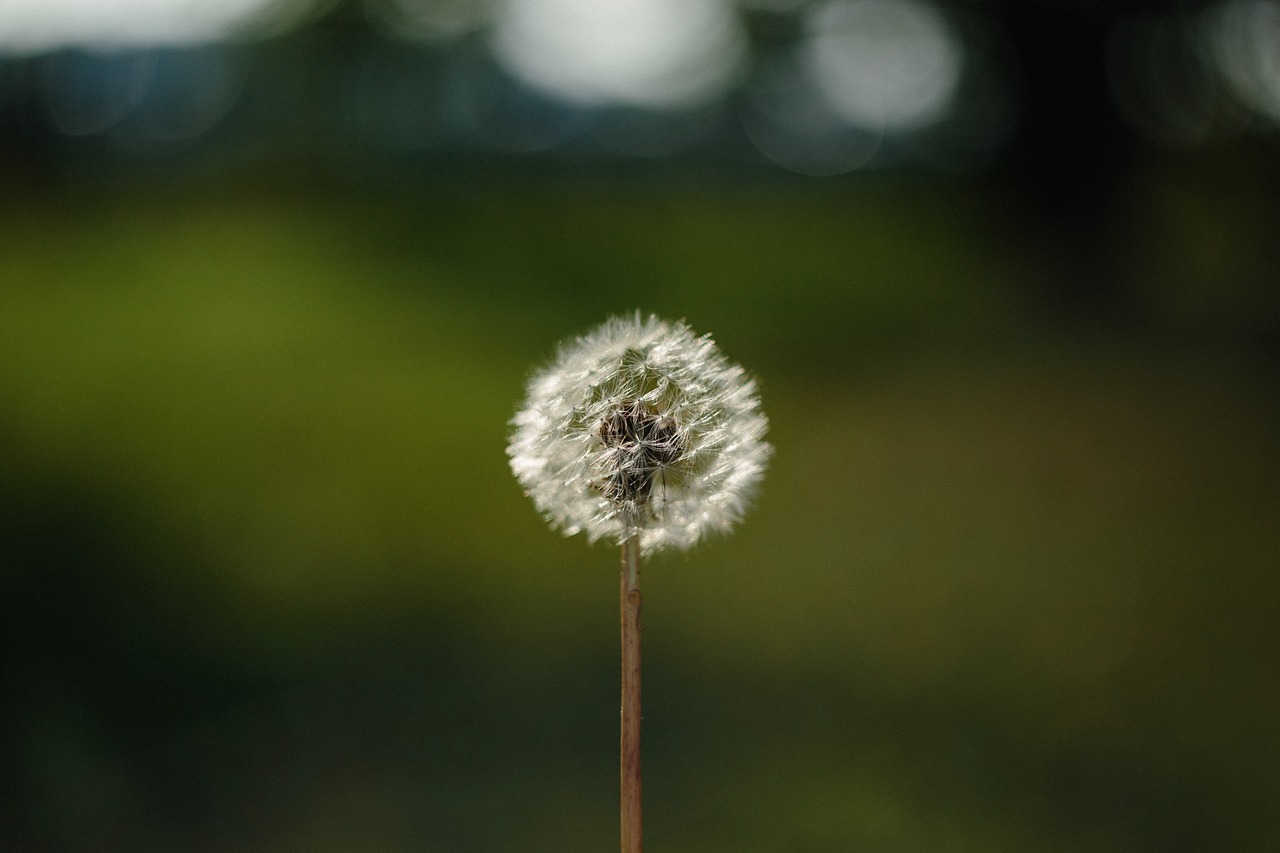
[
  {"x": 643, "y": 433},
  {"x": 640, "y": 429}
]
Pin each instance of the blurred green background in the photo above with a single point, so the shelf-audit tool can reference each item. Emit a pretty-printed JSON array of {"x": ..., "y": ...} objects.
[{"x": 267, "y": 584}]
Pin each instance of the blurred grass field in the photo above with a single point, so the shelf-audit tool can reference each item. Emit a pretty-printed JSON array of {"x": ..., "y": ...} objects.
[{"x": 269, "y": 584}]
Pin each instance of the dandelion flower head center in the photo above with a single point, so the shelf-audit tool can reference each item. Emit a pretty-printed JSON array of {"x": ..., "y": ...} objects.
[{"x": 638, "y": 445}]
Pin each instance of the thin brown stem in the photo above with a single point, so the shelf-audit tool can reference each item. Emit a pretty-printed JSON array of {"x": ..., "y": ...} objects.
[{"x": 632, "y": 836}]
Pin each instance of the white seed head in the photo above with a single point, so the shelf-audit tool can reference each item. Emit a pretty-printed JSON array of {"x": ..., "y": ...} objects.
[{"x": 640, "y": 428}]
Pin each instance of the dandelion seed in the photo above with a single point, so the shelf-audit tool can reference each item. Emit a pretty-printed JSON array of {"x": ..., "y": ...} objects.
[{"x": 640, "y": 428}]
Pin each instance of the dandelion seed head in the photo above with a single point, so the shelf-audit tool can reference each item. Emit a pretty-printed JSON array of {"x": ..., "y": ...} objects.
[{"x": 640, "y": 428}]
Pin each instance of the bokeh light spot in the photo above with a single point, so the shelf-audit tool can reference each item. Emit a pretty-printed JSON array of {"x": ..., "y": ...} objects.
[
  {"x": 643, "y": 53},
  {"x": 36, "y": 27},
  {"x": 1243, "y": 37},
  {"x": 186, "y": 93},
  {"x": 141, "y": 97},
  {"x": 88, "y": 93},
  {"x": 890, "y": 64},
  {"x": 790, "y": 123}
]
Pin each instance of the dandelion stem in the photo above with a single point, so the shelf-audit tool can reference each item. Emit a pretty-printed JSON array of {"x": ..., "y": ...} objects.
[{"x": 632, "y": 836}]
